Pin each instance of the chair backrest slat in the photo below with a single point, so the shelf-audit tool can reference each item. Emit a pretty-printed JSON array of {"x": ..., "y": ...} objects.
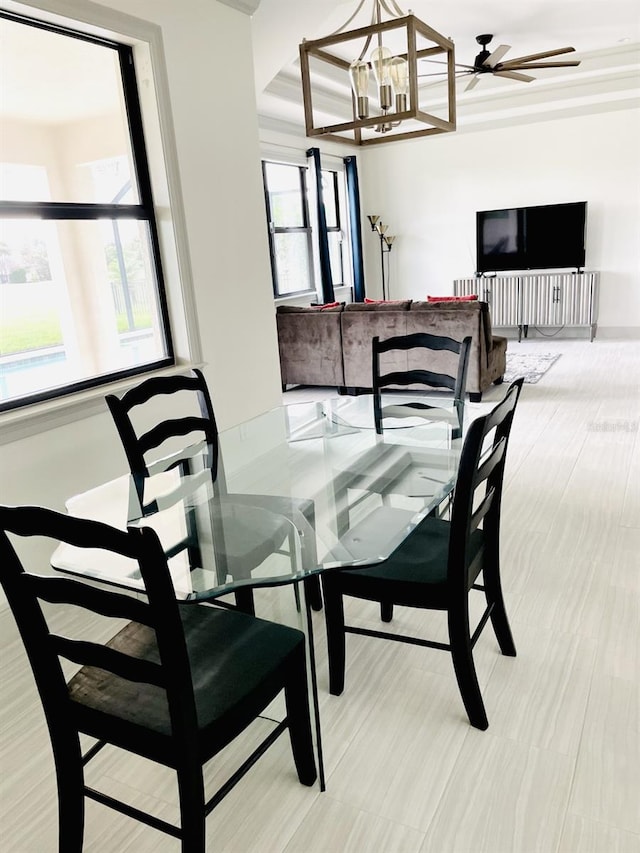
[
  {"x": 419, "y": 339},
  {"x": 422, "y": 377},
  {"x": 86, "y": 653},
  {"x": 170, "y": 429},
  {"x": 64, "y": 591}
]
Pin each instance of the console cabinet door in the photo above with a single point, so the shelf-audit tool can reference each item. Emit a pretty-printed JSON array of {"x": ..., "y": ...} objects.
[
  {"x": 501, "y": 293},
  {"x": 503, "y": 299},
  {"x": 558, "y": 300}
]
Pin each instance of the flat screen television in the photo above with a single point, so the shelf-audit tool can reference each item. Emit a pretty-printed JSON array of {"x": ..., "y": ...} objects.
[{"x": 531, "y": 238}]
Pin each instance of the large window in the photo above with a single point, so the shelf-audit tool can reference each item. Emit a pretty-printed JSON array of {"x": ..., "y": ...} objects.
[
  {"x": 292, "y": 237},
  {"x": 81, "y": 293}
]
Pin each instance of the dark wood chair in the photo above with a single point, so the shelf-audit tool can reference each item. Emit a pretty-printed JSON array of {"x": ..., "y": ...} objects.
[
  {"x": 139, "y": 442},
  {"x": 438, "y": 565},
  {"x": 420, "y": 371},
  {"x": 176, "y": 685}
]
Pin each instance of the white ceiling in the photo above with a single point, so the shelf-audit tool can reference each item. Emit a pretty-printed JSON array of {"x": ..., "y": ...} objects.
[{"x": 605, "y": 34}]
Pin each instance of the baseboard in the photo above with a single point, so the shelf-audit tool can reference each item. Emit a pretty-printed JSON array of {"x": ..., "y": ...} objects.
[
  {"x": 629, "y": 333},
  {"x": 617, "y": 333}
]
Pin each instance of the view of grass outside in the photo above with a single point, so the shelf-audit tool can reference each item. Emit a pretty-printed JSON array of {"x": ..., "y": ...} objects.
[
  {"x": 40, "y": 329},
  {"x": 141, "y": 320}
]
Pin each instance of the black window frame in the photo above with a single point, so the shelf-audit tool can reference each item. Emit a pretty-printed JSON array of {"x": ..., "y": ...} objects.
[
  {"x": 82, "y": 211},
  {"x": 272, "y": 230},
  {"x": 337, "y": 228}
]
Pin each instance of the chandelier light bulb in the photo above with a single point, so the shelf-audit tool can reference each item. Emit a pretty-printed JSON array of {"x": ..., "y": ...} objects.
[
  {"x": 399, "y": 75},
  {"x": 380, "y": 62},
  {"x": 359, "y": 74}
]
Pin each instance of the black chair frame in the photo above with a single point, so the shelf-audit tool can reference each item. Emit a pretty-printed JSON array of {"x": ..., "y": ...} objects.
[
  {"x": 466, "y": 546},
  {"x": 423, "y": 340},
  {"x": 160, "y": 660},
  {"x": 137, "y": 445}
]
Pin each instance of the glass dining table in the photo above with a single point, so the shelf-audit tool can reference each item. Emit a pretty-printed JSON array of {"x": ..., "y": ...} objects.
[{"x": 299, "y": 490}]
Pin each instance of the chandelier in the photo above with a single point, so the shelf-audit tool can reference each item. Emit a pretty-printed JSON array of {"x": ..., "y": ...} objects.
[{"x": 369, "y": 76}]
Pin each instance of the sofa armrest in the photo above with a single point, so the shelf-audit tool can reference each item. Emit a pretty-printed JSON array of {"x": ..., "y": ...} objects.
[{"x": 310, "y": 346}]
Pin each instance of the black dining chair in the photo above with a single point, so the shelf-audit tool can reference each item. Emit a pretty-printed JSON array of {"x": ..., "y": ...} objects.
[
  {"x": 439, "y": 564},
  {"x": 149, "y": 402},
  {"x": 175, "y": 685},
  {"x": 420, "y": 359}
]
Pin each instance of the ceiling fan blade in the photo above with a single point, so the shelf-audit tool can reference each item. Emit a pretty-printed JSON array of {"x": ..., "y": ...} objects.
[
  {"x": 532, "y": 57},
  {"x": 472, "y": 83},
  {"x": 439, "y": 82},
  {"x": 458, "y": 64},
  {"x": 531, "y": 66},
  {"x": 514, "y": 75},
  {"x": 492, "y": 60}
]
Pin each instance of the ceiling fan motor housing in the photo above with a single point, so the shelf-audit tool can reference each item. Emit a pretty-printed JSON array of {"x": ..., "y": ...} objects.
[{"x": 484, "y": 54}]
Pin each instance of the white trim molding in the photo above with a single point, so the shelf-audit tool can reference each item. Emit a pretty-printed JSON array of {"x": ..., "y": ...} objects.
[{"x": 246, "y": 6}]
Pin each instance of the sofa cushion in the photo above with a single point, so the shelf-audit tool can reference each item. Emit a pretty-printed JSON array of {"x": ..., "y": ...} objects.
[
  {"x": 448, "y": 305},
  {"x": 469, "y": 298},
  {"x": 386, "y": 305},
  {"x": 358, "y": 330},
  {"x": 333, "y": 307},
  {"x": 466, "y": 305}
]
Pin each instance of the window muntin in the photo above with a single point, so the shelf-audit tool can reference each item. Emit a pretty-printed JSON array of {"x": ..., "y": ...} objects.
[{"x": 81, "y": 293}]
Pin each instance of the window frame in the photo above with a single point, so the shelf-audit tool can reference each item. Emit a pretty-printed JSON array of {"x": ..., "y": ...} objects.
[
  {"x": 306, "y": 228},
  {"x": 143, "y": 211},
  {"x": 337, "y": 228}
]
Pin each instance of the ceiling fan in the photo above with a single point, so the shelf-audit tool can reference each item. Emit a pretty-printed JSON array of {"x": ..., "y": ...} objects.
[{"x": 491, "y": 63}]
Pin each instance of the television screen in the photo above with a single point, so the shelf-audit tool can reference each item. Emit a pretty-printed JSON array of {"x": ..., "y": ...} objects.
[{"x": 526, "y": 238}]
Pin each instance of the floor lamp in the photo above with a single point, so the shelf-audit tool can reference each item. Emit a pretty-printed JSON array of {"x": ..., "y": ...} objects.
[{"x": 386, "y": 244}]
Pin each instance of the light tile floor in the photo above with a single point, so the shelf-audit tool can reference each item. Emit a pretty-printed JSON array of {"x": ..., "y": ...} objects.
[{"x": 558, "y": 770}]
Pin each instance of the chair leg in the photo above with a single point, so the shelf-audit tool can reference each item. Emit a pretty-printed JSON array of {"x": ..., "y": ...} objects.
[
  {"x": 298, "y": 715},
  {"x": 244, "y": 601},
  {"x": 313, "y": 592},
  {"x": 334, "y": 621},
  {"x": 465, "y": 670},
  {"x": 192, "y": 816},
  {"x": 386, "y": 611},
  {"x": 70, "y": 778},
  {"x": 499, "y": 620}
]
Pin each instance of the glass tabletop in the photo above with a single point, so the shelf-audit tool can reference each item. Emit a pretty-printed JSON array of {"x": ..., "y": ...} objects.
[{"x": 300, "y": 489}]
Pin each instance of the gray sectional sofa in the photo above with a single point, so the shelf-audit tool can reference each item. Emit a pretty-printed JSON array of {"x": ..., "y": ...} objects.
[{"x": 332, "y": 346}]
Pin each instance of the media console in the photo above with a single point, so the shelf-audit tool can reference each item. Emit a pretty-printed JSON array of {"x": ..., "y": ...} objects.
[{"x": 537, "y": 299}]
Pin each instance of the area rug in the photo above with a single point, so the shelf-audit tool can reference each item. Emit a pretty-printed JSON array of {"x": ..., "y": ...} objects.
[{"x": 532, "y": 366}]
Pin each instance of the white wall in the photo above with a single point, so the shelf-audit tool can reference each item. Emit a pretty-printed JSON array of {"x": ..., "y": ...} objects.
[
  {"x": 216, "y": 137},
  {"x": 428, "y": 191}
]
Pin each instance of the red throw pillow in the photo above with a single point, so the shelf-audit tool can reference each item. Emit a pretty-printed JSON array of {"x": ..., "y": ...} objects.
[
  {"x": 326, "y": 305},
  {"x": 468, "y": 298},
  {"x": 368, "y": 301}
]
